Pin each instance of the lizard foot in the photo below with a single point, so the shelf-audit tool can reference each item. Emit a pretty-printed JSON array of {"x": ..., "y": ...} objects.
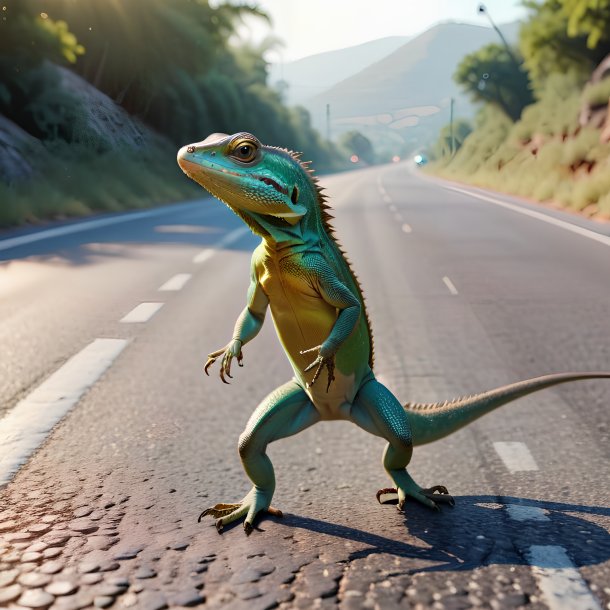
[
  {"x": 249, "y": 507},
  {"x": 430, "y": 497}
]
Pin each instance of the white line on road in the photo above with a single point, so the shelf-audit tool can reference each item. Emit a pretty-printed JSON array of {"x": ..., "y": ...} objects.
[
  {"x": 26, "y": 427},
  {"x": 450, "y": 285},
  {"x": 380, "y": 186},
  {"x": 227, "y": 240},
  {"x": 520, "y": 512},
  {"x": 87, "y": 225},
  {"x": 407, "y": 228},
  {"x": 560, "y": 582},
  {"x": 604, "y": 239},
  {"x": 142, "y": 313},
  {"x": 176, "y": 283},
  {"x": 516, "y": 456}
]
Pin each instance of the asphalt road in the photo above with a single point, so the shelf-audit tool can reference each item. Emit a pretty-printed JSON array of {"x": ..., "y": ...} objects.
[{"x": 463, "y": 294}]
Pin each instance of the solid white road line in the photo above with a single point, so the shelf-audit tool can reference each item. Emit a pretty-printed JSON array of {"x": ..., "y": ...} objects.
[
  {"x": 559, "y": 581},
  {"x": 227, "y": 240},
  {"x": 603, "y": 239},
  {"x": 516, "y": 456},
  {"x": 142, "y": 313},
  {"x": 449, "y": 284},
  {"x": 86, "y": 225},
  {"x": 26, "y": 426},
  {"x": 407, "y": 228},
  {"x": 176, "y": 283},
  {"x": 520, "y": 512}
]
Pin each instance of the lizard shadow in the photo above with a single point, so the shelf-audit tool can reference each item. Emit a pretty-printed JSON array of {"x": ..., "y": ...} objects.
[{"x": 480, "y": 531}]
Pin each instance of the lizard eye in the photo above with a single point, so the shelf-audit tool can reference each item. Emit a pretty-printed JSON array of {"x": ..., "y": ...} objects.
[{"x": 245, "y": 152}]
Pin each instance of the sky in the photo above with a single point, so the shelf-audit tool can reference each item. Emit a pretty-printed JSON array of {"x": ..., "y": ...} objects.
[{"x": 312, "y": 26}]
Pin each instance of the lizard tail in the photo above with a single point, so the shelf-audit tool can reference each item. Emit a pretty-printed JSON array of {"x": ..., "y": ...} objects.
[{"x": 432, "y": 421}]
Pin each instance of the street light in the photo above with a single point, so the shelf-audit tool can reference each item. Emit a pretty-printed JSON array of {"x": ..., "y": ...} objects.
[{"x": 482, "y": 10}]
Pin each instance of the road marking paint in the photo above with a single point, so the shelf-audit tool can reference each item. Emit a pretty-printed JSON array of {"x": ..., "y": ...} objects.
[
  {"x": 26, "y": 426},
  {"x": 387, "y": 198},
  {"x": 450, "y": 285},
  {"x": 380, "y": 186},
  {"x": 516, "y": 456},
  {"x": 407, "y": 228},
  {"x": 227, "y": 240},
  {"x": 86, "y": 225},
  {"x": 520, "y": 512},
  {"x": 141, "y": 313},
  {"x": 559, "y": 580},
  {"x": 603, "y": 239},
  {"x": 176, "y": 283}
]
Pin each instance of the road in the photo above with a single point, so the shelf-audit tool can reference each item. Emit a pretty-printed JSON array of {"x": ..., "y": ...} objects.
[{"x": 464, "y": 295}]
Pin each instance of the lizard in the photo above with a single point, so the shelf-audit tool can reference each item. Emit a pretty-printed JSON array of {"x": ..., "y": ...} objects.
[{"x": 300, "y": 272}]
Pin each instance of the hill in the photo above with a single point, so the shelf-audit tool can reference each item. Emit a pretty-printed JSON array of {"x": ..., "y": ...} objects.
[
  {"x": 311, "y": 75},
  {"x": 409, "y": 90}
]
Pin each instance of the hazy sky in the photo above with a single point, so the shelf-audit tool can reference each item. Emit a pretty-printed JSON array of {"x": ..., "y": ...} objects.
[{"x": 313, "y": 26}]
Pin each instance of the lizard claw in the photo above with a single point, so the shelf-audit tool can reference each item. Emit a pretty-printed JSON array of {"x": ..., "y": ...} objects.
[
  {"x": 230, "y": 351},
  {"x": 320, "y": 362}
]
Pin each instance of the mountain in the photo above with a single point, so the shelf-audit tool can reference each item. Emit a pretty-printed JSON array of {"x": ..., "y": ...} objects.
[
  {"x": 311, "y": 75},
  {"x": 408, "y": 92}
]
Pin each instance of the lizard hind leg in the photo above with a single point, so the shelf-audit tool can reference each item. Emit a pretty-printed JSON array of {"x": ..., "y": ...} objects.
[
  {"x": 378, "y": 411},
  {"x": 284, "y": 412}
]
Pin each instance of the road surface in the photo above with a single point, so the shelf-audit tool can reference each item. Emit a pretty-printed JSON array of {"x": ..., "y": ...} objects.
[{"x": 105, "y": 326}]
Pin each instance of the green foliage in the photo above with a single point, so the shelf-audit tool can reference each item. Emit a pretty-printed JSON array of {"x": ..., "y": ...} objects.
[
  {"x": 597, "y": 94},
  {"x": 590, "y": 18},
  {"x": 451, "y": 139},
  {"x": 494, "y": 75},
  {"x": 355, "y": 143},
  {"x": 555, "y": 39}
]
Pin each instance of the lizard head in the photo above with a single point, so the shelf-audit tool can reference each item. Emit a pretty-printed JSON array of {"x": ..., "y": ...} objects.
[{"x": 261, "y": 183}]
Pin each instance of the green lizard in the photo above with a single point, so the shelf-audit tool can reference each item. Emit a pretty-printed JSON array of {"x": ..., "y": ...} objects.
[{"x": 300, "y": 272}]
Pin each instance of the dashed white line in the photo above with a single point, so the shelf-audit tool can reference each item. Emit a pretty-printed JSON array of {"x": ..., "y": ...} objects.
[
  {"x": 450, "y": 285},
  {"x": 227, "y": 240},
  {"x": 560, "y": 582},
  {"x": 516, "y": 456},
  {"x": 406, "y": 228},
  {"x": 520, "y": 512},
  {"x": 26, "y": 427},
  {"x": 176, "y": 283},
  {"x": 603, "y": 239},
  {"x": 142, "y": 313}
]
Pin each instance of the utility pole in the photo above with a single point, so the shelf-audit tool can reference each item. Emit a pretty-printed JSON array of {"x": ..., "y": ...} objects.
[
  {"x": 482, "y": 9},
  {"x": 328, "y": 122},
  {"x": 451, "y": 134}
]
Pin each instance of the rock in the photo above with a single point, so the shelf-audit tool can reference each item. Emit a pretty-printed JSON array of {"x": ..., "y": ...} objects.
[
  {"x": 88, "y": 566},
  {"x": 129, "y": 553},
  {"x": 92, "y": 578},
  {"x": 52, "y": 552},
  {"x": 31, "y": 556},
  {"x": 145, "y": 572},
  {"x": 62, "y": 587},
  {"x": 6, "y": 526},
  {"x": 39, "y": 528},
  {"x": 107, "y": 589},
  {"x": 8, "y": 594},
  {"x": 83, "y": 526},
  {"x": 179, "y": 546},
  {"x": 55, "y": 539},
  {"x": 83, "y": 511},
  {"x": 35, "y": 598},
  {"x": 152, "y": 600},
  {"x": 18, "y": 536},
  {"x": 52, "y": 567},
  {"x": 187, "y": 598},
  {"x": 7, "y": 577},
  {"x": 37, "y": 547},
  {"x": 109, "y": 566},
  {"x": 103, "y": 602},
  {"x": 34, "y": 579},
  {"x": 73, "y": 602},
  {"x": 119, "y": 581}
]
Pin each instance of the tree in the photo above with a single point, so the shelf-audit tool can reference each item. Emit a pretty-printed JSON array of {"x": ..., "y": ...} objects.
[
  {"x": 451, "y": 139},
  {"x": 357, "y": 144},
  {"x": 492, "y": 75}
]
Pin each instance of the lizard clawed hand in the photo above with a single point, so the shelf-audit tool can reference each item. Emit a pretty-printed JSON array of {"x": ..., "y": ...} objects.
[
  {"x": 320, "y": 362},
  {"x": 228, "y": 352}
]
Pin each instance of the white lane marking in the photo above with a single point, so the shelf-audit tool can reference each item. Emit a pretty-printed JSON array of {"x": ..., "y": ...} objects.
[
  {"x": 519, "y": 512},
  {"x": 603, "y": 239},
  {"x": 516, "y": 456},
  {"x": 407, "y": 228},
  {"x": 559, "y": 580},
  {"x": 393, "y": 208},
  {"x": 141, "y": 313},
  {"x": 87, "y": 225},
  {"x": 382, "y": 190},
  {"x": 387, "y": 198},
  {"x": 176, "y": 283},
  {"x": 227, "y": 240},
  {"x": 450, "y": 285},
  {"x": 26, "y": 426}
]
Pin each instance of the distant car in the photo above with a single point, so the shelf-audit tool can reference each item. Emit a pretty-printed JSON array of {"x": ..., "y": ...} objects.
[{"x": 420, "y": 159}]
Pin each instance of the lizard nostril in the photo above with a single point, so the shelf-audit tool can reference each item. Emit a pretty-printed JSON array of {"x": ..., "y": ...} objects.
[{"x": 190, "y": 149}]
